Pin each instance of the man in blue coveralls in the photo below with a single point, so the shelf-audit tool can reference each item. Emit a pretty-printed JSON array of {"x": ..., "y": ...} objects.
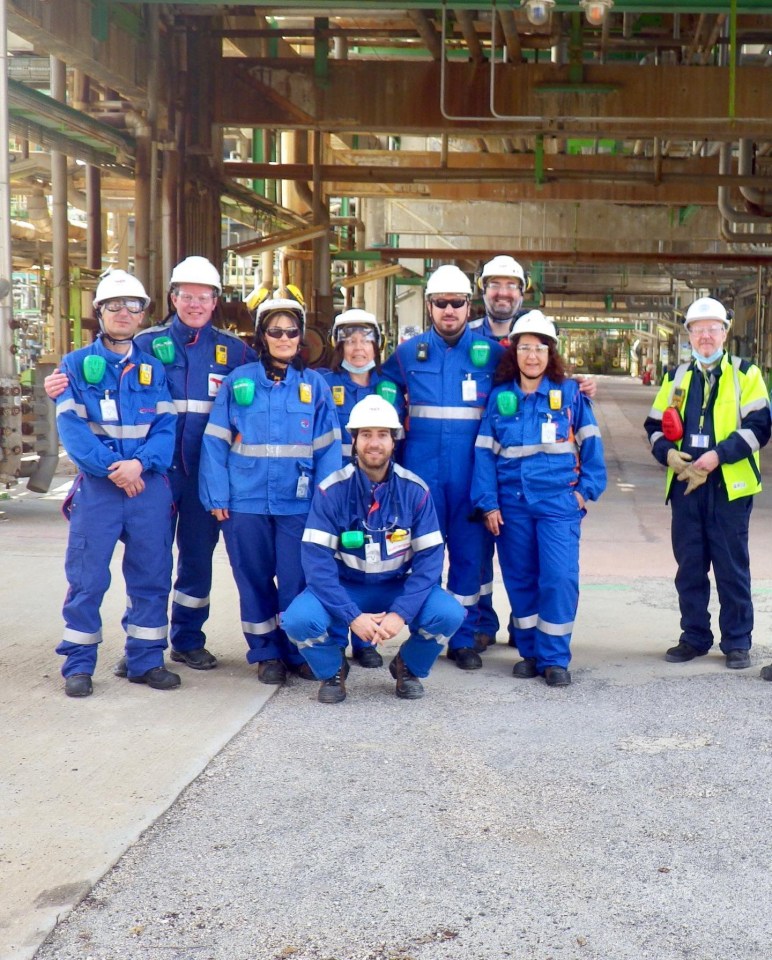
[
  {"x": 446, "y": 375},
  {"x": 116, "y": 421},
  {"x": 372, "y": 555},
  {"x": 197, "y": 356}
]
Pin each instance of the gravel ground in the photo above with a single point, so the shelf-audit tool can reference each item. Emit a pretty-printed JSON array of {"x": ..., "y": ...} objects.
[{"x": 495, "y": 818}]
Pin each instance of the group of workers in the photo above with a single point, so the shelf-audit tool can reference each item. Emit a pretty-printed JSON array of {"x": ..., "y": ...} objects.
[{"x": 338, "y": 491}]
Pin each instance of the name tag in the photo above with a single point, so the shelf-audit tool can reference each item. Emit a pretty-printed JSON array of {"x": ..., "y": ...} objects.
[
  {"x": 301, "y": 491},
  {"x": 109, "y": 409},
  {"x": 397, "y": 542},
  {"x": 469, "y": 389},
  {"x": 549, "y": 432},
  {"x": 372, "y": 553},
  {"x": 700, "y": 440},
  {"x": 214, "y": 382}
]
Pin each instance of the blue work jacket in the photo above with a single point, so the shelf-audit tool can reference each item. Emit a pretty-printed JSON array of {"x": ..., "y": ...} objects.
[
  {"x": 128, "y": 415},
  {"x": 202, "y": 359},
  {"x": 441, "y": 425},
  {"x": 514, "y": 456},
  {"x": 403, "y": 542},
  {"x": 268, "y": 456},
  {"x": 346, "y": 393}
]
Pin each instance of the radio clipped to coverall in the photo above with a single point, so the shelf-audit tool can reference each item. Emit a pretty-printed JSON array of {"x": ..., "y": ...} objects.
[{"x": 672, "y": 421}]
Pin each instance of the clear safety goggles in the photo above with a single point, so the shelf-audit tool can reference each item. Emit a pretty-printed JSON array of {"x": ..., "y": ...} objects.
[
  {"x": 348, "y": 334},
  {"x": 129, "y": 303},
  {"x": 203, "y": 299}
]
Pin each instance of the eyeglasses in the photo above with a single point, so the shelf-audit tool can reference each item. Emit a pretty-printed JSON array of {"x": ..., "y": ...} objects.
[
  {"x": 347, "y": 334},
  {"x": 444, "y": 304},
  {"x": 276, "y": 333},
  {"x": 115, "y": 306},
  {"x": 540, "y": 348},
  {"x": 203, "y": 299},
  {"x": 713, "y": 330},
  {"x": 509, "y": 287}
]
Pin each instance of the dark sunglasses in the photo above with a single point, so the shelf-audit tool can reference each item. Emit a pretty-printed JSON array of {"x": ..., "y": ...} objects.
[
  {"x": 443, "y": 304},
  {"x": 276, "y": 333}
]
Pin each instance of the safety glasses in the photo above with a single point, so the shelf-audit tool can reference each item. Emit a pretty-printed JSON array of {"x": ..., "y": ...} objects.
[
  {"x": 276, "y": 333},
  {"x": 115, "y": 306},
  {"x": 539, "y": 348},
  {"x": 344, "y": 334},
  {"x": 456, "y": 303}
]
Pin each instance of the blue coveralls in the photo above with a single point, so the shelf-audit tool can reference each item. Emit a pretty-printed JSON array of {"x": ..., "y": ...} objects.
[
  {"x": 489, "y": 621},
  {"x": 120, "y": 418},
  {"x": 531, "y": 479},
  {"x": 346, "y": 393},
  {"x": 440, "y": 433},
  {"x": 708, "y": 529},
  {"x": 397, "y": 570},
  {"x": 262, "y": 462},
  {"x": 202, "y": 358}
]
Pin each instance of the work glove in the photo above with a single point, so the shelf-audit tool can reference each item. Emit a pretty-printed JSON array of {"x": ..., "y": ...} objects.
[
  {"x": 694, "y": 478},
  {"x": 677, "y": 460}
]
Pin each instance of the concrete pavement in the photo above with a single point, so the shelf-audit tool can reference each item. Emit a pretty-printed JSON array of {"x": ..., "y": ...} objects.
[{"x": 82, "y": 780}]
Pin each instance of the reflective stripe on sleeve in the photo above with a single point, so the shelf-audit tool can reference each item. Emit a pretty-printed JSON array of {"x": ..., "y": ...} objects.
[
  {"x": 70, "y": 404},
  {"x": 320, "y": 537},
  {"x": 326, "y": 438},
  {"x": 117, "y": 432},
  {"x": 433, "y": 539},
  {"x": 591, "y": 430},
  {"x": 222, "y": 433}
]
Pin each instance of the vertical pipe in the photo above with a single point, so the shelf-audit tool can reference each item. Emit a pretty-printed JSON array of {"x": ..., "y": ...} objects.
[
  {"x": 6, "y": 259},
  {"x": 60, "y": 261},
  {"x": 93, "y": 218}
]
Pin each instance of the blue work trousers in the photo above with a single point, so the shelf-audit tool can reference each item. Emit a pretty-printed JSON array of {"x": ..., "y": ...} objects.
[
  {"x": 708, "y": 530},
  {"x": 197, "y": 534},
  {"x": 100, "y": 515},
  {"x": 539, "y": 556},
  {"x": 321, "y": 637},
  {"x": 264, "y": 553},
  {"x": 464, "y": 541}
]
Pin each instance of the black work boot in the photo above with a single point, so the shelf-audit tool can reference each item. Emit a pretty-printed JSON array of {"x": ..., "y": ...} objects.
[
  {"x": 198, "y": 659},
  {"x": 271, "y": 671},
  {"x": 78, "y": 685},
  {"x": 409, "y": 687},
  {"x": 159, "y": 678},
  {"x": 333, "y": 689}
]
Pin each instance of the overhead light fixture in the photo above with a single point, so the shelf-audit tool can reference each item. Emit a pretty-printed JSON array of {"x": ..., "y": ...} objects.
[
  {"x": 596, "y": 10},
  {"x": 538, "y": 12}
]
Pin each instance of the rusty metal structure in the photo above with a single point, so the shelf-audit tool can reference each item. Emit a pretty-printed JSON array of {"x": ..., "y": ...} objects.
[{"x": 621, "y": 149}]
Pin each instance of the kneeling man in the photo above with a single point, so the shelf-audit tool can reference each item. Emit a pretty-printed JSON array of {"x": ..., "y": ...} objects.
[{"x": 372, "y": 556}]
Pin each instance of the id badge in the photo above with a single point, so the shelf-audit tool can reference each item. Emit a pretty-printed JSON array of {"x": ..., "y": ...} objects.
[
  {"x": 372, "y": 552},
  {"x": 214, "y": 382},
  {"x": 301, "y": 491},
  {"x": 109, "y": 409},
  {"x": 549, "y": 432},
  {"x": 469, "y": 389},
  {"x": 221, "y": 354},
  {"x": 700, "y": 440}
]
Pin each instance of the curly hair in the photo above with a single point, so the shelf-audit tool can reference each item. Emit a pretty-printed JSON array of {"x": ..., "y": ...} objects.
[{"x": 508, "y": 368}]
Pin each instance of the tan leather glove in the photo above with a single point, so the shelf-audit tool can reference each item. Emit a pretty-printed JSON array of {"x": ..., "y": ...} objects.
[
  {"x": 677, "y": 460},
  {"x": 695, "y": 478}
]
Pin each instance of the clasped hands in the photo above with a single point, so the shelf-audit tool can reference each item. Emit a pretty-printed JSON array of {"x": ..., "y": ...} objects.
[{"x": 377, "y": 627}]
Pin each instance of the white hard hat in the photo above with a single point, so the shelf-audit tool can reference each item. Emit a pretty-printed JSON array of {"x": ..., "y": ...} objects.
[
  {"x": 196, "y": 270},
  {"x": 503, "y": 266},
  {"x": 534, "y": 322},
  {"x": 706, "y": 308},
  {"x": 292, "y": 307},
  {"x": 355, "y": 318},
  {"x": 449, "y": 279},
  {"x": 373, "y": 413},
  {"x": 118, "y": 283}
]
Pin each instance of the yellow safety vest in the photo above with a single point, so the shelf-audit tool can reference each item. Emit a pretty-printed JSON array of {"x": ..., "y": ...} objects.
[{"x": 738, "y": 394}]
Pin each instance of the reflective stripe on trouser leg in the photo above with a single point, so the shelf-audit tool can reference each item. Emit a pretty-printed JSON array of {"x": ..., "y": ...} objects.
[
  {"x": 437, "y": 620},
  {"x": 558, "y": 528},
  {"x": 260, "y": 548},
  {"x": 464, "y": 545},
  {"x": 308, "y": 625},
  {"x": 147, "y": 568},
  {"x": 197, "y": 535},
  {"x": 489, "y": 621},
  {"x": 518, "y": 559}
]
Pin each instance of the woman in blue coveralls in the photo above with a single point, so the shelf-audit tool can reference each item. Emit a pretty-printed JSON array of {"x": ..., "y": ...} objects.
[
  {"x": 538, "y": 460},
  {"x": 272, "y": 437},
  {"x": 355, "y": 373}
]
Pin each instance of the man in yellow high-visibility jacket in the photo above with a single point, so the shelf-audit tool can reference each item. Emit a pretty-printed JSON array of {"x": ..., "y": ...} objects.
[{"x": 708, "y": 422}]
